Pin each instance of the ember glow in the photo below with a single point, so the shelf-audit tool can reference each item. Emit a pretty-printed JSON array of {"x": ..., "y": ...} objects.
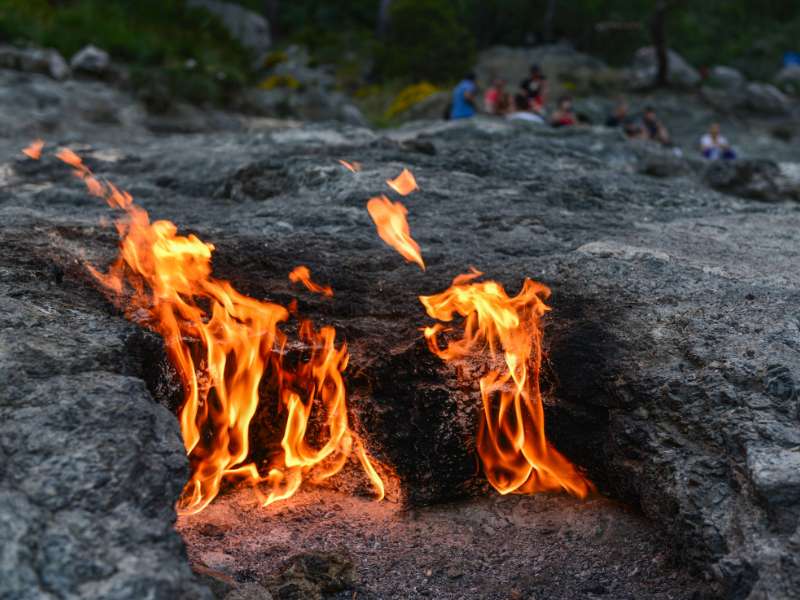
[
  {"x": 404, "y": 183},
  {"x": 230, "y": 352},
  {"x": 504, "y": 336},
  {"x": 354, "y": 167},
  {"x": 34, "y": 151},
  {"x": 302, "y": 274},
  {"x": 390, "y": 219}
]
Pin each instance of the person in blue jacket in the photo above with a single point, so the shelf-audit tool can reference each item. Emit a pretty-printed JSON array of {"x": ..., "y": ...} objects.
[{"x": 464, "y": 98}]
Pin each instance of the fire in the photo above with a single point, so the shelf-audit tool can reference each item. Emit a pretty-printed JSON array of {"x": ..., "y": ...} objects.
[
  {"x": 390, "y": 219},
  {"x": 229, "y": 351},
  {"x": 34, "y": 151},
  {"x": 302, "y": 274},
  {"x": 504, "y": 335},
  {"x": 355, "y": 167},
  {"x": 404, "y": 183}
]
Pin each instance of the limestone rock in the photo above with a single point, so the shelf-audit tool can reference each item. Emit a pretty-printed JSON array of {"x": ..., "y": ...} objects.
[
  {"x": 726, "y": 77},
  {"x": 91, "y": 60},
  {"x": 249, "y": 28},
  {"x": 645, "y": 68},
  {"x": 767, "y": 99},
  {"x": 35, "y": 60},
  {"x": 788, "y": 79}
]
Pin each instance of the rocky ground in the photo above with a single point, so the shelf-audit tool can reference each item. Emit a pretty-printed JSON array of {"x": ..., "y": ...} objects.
[{"x": 672, "y": 376}]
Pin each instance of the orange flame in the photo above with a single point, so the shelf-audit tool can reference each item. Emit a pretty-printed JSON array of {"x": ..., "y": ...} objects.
[
  {"x": 355, "y": 167},
  {"x": 228, "y": 348},
  {"x": 505, "y": 334},
  {"x": 301, "y": 274},
  {"x": 390, "y": 219},
  {"x": 34, "y": 151},
  {"x": 404, "y": 183}
]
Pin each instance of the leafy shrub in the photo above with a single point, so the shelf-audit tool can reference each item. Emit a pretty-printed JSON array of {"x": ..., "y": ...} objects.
[
  {"x": 426, "y": 41},
  {"x": 408, "y": 97},
  {"x": 146, "y": 34},
  {"x": 279, "y": 81}
]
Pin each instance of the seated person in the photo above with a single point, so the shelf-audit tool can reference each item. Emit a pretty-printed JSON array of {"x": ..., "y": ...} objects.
[
  {"x": 496, "y": 101},
  {"x": 714, "y": 145},
  {"x": 563, "y": 115},
  {"x": 463, "y": 102},
  {"x": 522, "y": 111},
  {"x": 619, "y": 116},
  {"x": 534, "y": 87},
  {"x": 653, "y": 129}
]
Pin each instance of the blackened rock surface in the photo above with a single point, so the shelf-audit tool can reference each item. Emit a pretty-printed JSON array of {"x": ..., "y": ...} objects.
[{"x": 673, "y": 338}]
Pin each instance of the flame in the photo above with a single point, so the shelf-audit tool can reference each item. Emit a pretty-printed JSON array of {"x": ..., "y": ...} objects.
[
  {"x": 229, "y": 350},
  {"x": 34, "y": 151},
  {"x": 355, "y": 167},
  {"x": 504, "y": 334},
  {"x": 390, "y": 219},
  {"x": 404, "y": 183},
  {"x": 301, "y": 274}
]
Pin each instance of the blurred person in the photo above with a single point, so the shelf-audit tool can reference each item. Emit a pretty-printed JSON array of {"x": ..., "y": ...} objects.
[
  {"x": 464, "y": 98},
  {"x": 564, "y": 114},
  {"x": 535, "y": 89},
  {"x": 653, "y": 129},
  {"x": 620, "y": 117},
  {"x": 497, "y": 101},
  {"x": 522, "y": 111},
  {"x": 715, "y": 146}
]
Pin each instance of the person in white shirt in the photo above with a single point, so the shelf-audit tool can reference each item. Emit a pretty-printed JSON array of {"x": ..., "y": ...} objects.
[
  {"x": 715, "y": 146},
  {"x": 522, "y": 111}
]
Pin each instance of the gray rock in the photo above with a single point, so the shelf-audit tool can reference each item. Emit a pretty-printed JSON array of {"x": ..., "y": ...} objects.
[
  {"x": 788, "y": 79},
  {"x": 34, "y": 60},
  {"x": 767, "y": 99},
  {"x": 91, "y": 60},
  {"x": 775, "y": 474},
  {"x": 250, "y": 29},
  {"x": 756, "y": 179},
  {"x": 645, "y": 67},
  {"x": 672, "y": 344},
  {"x": 726, "y": 77}
]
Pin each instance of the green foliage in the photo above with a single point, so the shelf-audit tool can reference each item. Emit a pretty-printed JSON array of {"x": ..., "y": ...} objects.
[
  {"x": 146, "y": 34},
  {"x": 408, "y": 97},
  {"x": 426, "y": 41},
  {"x": 279, "y": 81}
]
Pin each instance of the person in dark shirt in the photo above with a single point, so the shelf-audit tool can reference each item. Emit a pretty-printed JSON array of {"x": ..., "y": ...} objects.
[
  {"x": 535, "y": 89},
  {"x": 620, "y": 117},
  {"x": 653, "y": 129}
]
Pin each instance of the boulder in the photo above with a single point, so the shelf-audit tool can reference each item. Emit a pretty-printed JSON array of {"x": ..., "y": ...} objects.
[
  {"x": 788, "y": 79},
  {"x": 645, "y": 68},
  {"x": 249, "y": 28},
  {"x": 726, "y": 77},
  {"x": 766, "y": 99},
  {"x": 91, "y": 60},
  {"x": 34, "y": 60},
  {"x": 557, "y": 61},
  {"x": 755, "y": 179}
]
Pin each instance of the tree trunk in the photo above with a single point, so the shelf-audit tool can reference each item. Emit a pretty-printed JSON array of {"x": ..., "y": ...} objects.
[
  {"x": 549, "y": 17},
  {"x": 382, "y": 23},
  {"x": 658, "y": 33},
  {"x": 271, "y": 10}
]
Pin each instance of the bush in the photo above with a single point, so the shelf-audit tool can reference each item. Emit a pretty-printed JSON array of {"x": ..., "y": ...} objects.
[
  {"x": 148, "y": 35},
  {"x": 408, "y": 97},
  {"x": 426, "y": 41}
]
